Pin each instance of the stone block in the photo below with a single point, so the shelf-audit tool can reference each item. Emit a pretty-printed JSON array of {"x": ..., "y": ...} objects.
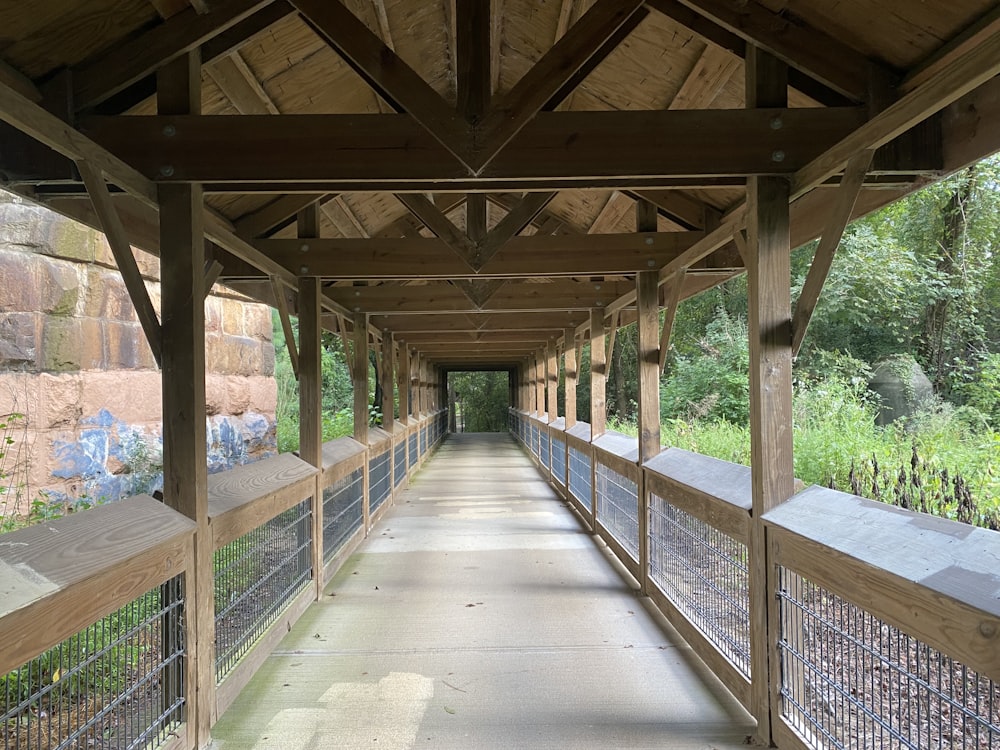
[
  {"x": 216, "y": 394},
  {"x": 213, "y": 315},
  {"x": 19, "y": 287},
  {"x": 19, "y": 393},
  {"x": 126, "y": 346},
  {"x": 20, "y": 339},
  {"x": 257, "y": 321},
  {"x": 69, "y": 239},
  {"x": 232, "y": 317},
  {"x": 24, "y": 226},
  {"x": 59, "y": 403},
  {"x": 106, "y": 296},
  {"x": 263, "y": 395},
  {"x": 215, "y": 354},
  {"x": 62, "y": 344},
  {"x": 93, "y": 343},
  {"x": 131, "y": 396},
  {"x": 267, "y": 358},
  {"x": 237, "y": 394}
]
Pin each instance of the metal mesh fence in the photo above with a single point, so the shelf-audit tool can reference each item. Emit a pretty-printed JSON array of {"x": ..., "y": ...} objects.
[
  {"x": 423, "y": 440},
  {"x": 255, "y": 577},
  {"x": 559, "y": 460},
  {"x": 704, "y": 573},
  {"x": 399, "y": 463},
  {"x": 379, "y": 480},
  {"x": 116, "y": 685},
  {"x": 850, "y": 680},
  {"x": 543, "y": 448},
  {"x": 534, "y": 439},
  {"x": 342, "y": 511},
  {"x": 618, "y": 507},
  {"x": 580, "y": 476},
  {"x": 412, "y": 442}
]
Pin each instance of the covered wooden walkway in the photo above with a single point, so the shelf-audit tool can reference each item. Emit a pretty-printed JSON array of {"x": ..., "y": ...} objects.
[{"x": 481, "y": 614}]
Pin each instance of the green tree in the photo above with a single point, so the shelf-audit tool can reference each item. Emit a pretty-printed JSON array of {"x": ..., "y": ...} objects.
[{"x": 483, "y": 399}]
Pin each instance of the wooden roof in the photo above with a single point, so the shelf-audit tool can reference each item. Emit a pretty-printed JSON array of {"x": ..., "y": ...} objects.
[{"x": 477, "y": 164}]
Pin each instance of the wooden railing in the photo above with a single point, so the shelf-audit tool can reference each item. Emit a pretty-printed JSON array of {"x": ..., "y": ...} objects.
[
  {"x": 885, "y": 622},
  {"x": 271, "y": 522}
]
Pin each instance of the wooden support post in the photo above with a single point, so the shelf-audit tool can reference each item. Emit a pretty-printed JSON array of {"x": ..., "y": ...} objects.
[
  {"x": 598, "y": 375},
  {"x": 403, "y": 381},
  {"x": 310, "y": 408},
  {"x": 213, "y": 269},
  {"x": 359, "y": 378},
  {"x": 185, "y": 459},
  {"x": 388, "y": 378},
  {"x": 571, "y": 376},
  {"x": 552, "y": 382},
  {"x": 308, "y": 369},
  {"x": 540, "y": 381},
  {"x": 647, "y": 298},
  {"x": 769, "y": 282}
]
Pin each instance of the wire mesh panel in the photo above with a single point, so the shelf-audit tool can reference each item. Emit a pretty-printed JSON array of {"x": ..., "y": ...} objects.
[
  {"x": 704, "y": 573},
  {"x": 849, "y": 680},
  {"x": 534, "y": 439},
  {"x": 379, "y": 480},
  {"x": 543, "y": 448},
  {"x": 579, "y": 475},
  {"x": 342, "y": 511},
  {"x": 115, "y": 685},
  {"x": 255, "y": 577},
  {"x": 423, "y": 440},
  {"x": 618, "y": 507},
  {"x": 413, "y": 449},
  {"x": 399, "y": 463},
  {"x": 559, "y": 459}
]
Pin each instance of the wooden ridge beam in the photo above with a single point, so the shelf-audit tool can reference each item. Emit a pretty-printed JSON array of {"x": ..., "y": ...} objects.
[
  {"x": 581, "y": 146},
  {"x": 391, "y": 78},
  {"x": 511, "y": 225},
  {"x": 443, "y": 227},
  {"x": 478, "y": 322},
  {"x": 129, "y": 62},
  {"x": 537, "y": 255},
  {"x": 273, "y": 214},
  {"x": 472, "y": 65}
]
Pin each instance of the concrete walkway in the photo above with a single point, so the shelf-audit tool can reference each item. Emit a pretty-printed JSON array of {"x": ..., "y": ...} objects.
[{"x": 480, "y": 615}]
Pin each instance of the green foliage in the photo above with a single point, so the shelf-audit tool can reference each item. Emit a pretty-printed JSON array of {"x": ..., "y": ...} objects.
[
  {"x": 10, "y": 488},
  {"x": 712, "y": 383},
  {"x": 982, "y": 389},
  {"x": 482, "y": 399}
]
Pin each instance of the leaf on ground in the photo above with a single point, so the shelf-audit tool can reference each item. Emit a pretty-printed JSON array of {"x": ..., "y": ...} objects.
[{"x": 449, "y": 710}]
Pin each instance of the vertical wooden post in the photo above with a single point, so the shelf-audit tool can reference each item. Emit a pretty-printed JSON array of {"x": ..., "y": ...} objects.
[
  {"x": 359, "y": 378},
  {"x": 552, "y": 381},
  {"x": 540, "y": 381},
  {"x": 598, "y": 375},
  {"x": 403, "y": 388},
  {"x": 647, "y": 295},
  {"x": 388, "y": 378},
  {"x": 311, "y": 388},
  {"x": 185, "y": 459},
  {"x": 571, "y": 375},
  {"x": 769, "y": 282}
]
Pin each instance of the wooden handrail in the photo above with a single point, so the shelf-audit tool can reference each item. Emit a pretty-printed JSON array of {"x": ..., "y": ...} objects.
[
  {"x": 61, "y": 576},
  {"x": 340, "y": 458}
]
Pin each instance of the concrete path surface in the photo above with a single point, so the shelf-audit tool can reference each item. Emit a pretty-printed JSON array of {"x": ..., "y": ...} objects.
[{"x": 481, "y": 615}]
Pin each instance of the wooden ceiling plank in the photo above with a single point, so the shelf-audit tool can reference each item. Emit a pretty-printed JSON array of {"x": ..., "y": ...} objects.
[
  {"x": 266, "y": 218},
  {"x": 840, "y": 214},
  {"x": 972, "y": 68},
  {"x": 136, "y": 58},
  {"x": 519, "y": 105},
  {"x": 680, "y": 207},
  {"x": 707, "y": 78},
  {"x": 473, "y": 25},
  {"x": 435, "y": 220},
  {"x": 554, "y": 146},
  {"x": 351, "y": 216},
  {"x": 236, "y": 36},
  {"x": 519, "y": 217},
  {"x": 235, "y": 79},
  {"x": 386, "y": 72},
  {"x": 811, "y": 50},
  {"x": 978, "y": 32},
  {"x": 612, "y": 214}
]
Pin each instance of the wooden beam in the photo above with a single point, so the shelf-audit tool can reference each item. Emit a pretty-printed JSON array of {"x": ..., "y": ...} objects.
[
  {"x": 121, "y": 248},
  {"x": 681, "y": 208},
  {"x": 403, "y": 383},
  {"x": 443, "y": 228},
  {"x": 612, "y": 334},
  {"x": 387, "y": 73},
  {"x": 281, "y": 303},
  {"x": 970, "y": 37},
  {"x": 564, "y": 95},
  {"x": 235, "y": 79},
  {"x": 213, "y": 270},
  {"x": 19, "y": 82},
  {"x": 519, "y": 217},
  {"x": 962, "y": 74},
  {"x": 476, "y": 219},
  {"x": 551, "y": 383},
  {"x": 811, "y": 50},
  {"x": 554, "y": 145},
  {"x": 260, "y": 222},
  {"x": 478, "y": 291},
  {"x": 572, "y": 374},
  {"x": 140, "y": 56},
  {"x": 359, "y": 377},
  {"x": 673, "y": 300},
  {"x": 478, "y": 322},
  {"x": 545, "y": 78},
  {"x": 537, "y": 255},
  {"x": 388, "y": 362},
  {"x": 472, "y": 42},
  {"x": 840, "y": 215},
  {"x": 598, "y": 375}
]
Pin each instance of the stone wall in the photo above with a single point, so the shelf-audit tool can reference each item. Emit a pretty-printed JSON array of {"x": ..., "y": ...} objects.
[{"x": 75, "y": 362}]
